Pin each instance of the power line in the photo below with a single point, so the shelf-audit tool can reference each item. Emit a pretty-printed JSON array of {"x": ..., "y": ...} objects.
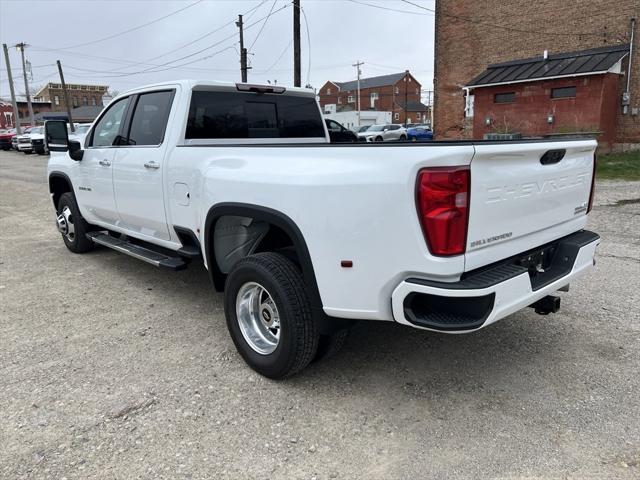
[
  {"x": 262, "y": 27},
  {"x": 388, "y": 8},
  {"x": 156, "y": 68},
  {"x": 135, "y": 28},
  {"x": 286, "y": 49},
  {"x": 250, "y": 11}
]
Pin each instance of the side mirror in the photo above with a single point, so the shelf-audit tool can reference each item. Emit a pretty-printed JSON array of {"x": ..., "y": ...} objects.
[
  {"x": 75, "y": 150},
  {"x": 56, "y": 136}
]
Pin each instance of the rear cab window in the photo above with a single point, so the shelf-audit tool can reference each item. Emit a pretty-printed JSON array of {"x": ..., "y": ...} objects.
[
  {"x": 150, "y": 116},
  {"x": 230, "y": 115}
]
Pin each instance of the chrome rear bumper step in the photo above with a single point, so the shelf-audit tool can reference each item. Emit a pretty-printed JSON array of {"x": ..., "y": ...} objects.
[{"x": 153, "y": 257}]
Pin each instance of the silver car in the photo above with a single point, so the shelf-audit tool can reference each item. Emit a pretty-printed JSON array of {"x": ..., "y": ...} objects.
[{"x": 384, "y": 133}]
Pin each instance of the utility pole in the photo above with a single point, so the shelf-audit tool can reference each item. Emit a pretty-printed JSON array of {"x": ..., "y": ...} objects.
[
  {"x": 357, "y": 65},
  {"x": 13, "y": 93},
  {"x": 66, "y": 96},
  {"x": 297, "y": 80},
  {"x": 21, "y": 46},
  {"x": 243, "y": 51}
]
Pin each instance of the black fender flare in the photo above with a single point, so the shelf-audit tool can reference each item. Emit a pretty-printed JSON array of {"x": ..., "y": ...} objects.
[
  {"x": 66, "y": 178},
  {"x": 273, "y": 217}
]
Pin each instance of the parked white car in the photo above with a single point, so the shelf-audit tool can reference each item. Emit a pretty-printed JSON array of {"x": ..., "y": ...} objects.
[
  {"x": 24, "y": 141},
  {"x": 305, "y": 237},
  {"x": 81, "y": 132},
  {"x": 38, "y": 145},
  {"x": 383, "y": 133}
]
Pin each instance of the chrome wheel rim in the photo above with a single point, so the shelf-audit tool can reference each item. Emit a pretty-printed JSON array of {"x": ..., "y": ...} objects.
[
  {"x": 258, "y": 318},
  {"x": 65, "y": 224}
]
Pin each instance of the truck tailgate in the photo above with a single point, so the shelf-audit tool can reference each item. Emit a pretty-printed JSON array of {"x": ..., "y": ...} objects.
[{"x": 526, "y": 194}]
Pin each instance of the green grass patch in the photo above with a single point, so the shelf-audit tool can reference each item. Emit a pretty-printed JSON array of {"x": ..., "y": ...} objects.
[{"x": 619, "y": 166}]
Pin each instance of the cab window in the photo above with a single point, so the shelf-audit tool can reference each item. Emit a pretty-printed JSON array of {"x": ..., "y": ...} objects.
[
  {"x": 149, "y": 120},
  {"x": 108, "y": 127}
]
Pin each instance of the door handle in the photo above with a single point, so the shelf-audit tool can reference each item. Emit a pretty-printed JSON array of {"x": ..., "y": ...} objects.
[
  {"x": 105, "y": 163},
  {"x": 152, "y": 164}
]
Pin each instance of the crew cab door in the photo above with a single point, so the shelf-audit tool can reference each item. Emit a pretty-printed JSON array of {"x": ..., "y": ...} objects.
[
  {"x": 95, "y": 172},
  {"x": 138, "y": 172}
]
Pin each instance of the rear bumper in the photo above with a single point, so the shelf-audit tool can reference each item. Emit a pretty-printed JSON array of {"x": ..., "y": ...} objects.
[{"x": 491, "y": 293}]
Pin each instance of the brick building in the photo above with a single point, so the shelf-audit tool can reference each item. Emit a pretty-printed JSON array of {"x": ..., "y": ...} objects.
[
  {"x": 398, "y": 93},
  {"x": 79, "y": 95},
  {"x": 472, "y": 37},
  {"x": 6, "y": 110}
]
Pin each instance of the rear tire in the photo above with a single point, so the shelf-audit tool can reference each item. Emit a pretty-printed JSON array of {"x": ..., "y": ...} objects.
[
  {"x": 269, "y": 316},
  {"x": 76, "y": 227},
  {"x": 403, "y": 138}
]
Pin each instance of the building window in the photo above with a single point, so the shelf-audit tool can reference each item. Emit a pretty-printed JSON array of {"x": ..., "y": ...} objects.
[
  {"x": 396, "y": 116},
  {"x": 85, "y": 101},
  {"x": 340, "y": 100},
  {"x": 94, "y": 102},
  {"x": 56, "y": 100},
  {"x": 75, "y": 101},
  {"x": 563, "y": 92},
  {"x": 509, "y": 97},
  {"x": 397, "y": 90},
  {"x": 328, "y": 91},
  {"x": 351, "y": 99},
  {"x": 417, "y": 115}
]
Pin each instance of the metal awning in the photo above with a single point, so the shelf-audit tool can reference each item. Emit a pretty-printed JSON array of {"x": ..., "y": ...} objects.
[{"x": 586, "y": 62}]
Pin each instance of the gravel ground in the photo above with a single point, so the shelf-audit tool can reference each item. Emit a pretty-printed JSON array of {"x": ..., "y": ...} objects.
[{"x": 110, "y": 368}]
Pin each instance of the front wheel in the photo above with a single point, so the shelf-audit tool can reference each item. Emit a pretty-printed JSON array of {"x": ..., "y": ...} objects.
[
  {"x": 269, "y": 316},
  {"x": 378, "y": 139},
  {"x": 71, "y": 225}
]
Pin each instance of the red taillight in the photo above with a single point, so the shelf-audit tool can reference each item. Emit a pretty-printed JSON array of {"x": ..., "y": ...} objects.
[
  {"x": 443, "y": 206},
  {"x": 593, "y": 183}
]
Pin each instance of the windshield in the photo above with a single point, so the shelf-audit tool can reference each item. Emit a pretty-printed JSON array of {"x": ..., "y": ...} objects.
[
  {"x": 37, "y": 130},
  {"x": 376, "y": 128},
  {"x": 363, "y": 129}
]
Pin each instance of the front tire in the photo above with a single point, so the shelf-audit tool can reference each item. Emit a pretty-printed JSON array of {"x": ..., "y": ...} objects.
[
  {"x": 72, "y": 226},
  {"x": 378, "y": 139},
  {"x": 268, "y": 315}
]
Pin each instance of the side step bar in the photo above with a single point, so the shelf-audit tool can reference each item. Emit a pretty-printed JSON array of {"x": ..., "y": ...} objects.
[{"x": 141, "y": 253}]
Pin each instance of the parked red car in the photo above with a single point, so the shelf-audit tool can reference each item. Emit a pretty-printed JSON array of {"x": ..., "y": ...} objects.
[{"x": 5, "y": 139}]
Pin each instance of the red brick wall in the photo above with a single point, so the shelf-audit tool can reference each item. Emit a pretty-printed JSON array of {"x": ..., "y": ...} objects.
[
  {"x": 593, "y": 108},
  {"x": 471, "y": 35}
]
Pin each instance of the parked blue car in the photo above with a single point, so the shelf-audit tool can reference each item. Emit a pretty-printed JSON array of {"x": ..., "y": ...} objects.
[{"x": 419, "y": 134}]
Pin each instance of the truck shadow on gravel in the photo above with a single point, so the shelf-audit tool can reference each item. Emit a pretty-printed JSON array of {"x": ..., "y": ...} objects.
[{"x": 515, "y": 349}]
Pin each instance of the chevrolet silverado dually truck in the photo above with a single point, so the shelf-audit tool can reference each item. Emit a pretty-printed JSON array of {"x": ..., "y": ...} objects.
[{"x": 304, "y": 236}]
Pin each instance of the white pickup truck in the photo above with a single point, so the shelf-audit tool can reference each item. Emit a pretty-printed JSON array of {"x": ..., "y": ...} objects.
[{"x": 305, "y": 237}]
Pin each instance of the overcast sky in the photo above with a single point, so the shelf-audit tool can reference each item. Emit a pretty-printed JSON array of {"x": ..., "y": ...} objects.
[{"x": 201, "y": 41}]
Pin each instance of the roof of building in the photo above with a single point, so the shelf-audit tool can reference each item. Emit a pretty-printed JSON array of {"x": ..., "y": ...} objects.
[
  {"x": 22, "y": 99},
  {"x": 70, "y": 86},
  {"x": 584, "y": 62},
  {"x": 371, "y": 82},
  {"x": 42, "y": 116},
  {"x": 86, "y": 112},
  {"x": 413, "y": 106}
]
